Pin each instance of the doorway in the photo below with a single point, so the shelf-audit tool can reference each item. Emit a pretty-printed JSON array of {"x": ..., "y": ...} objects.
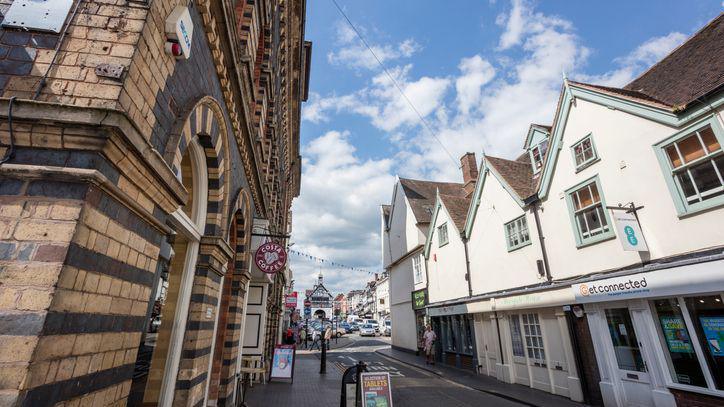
[{"x": 158, "y": 357}]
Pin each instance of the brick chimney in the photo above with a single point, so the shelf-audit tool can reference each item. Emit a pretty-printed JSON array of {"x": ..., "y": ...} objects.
[{"x": 470, "y": 173}]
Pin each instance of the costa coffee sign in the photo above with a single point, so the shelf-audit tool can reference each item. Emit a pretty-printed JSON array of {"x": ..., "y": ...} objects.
[{"x": 270, "y": 257}]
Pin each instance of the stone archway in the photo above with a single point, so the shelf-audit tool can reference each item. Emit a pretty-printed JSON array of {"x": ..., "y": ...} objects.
[{"x": 320, "y": 314}]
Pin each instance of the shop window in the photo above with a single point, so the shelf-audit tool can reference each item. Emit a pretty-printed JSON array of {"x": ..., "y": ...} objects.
[
  {"x": 448, "y": 338},
  {"x": 584, "y": 153},
  {"x": 590, "y": 219},
  {"x": 707, "y": 316},
  {"x": 516, "y": 233},
  {"x": 466, "y": 333},
  {"x": 676, "y": 341},
  {"x": 515, "y": 336},
  {"x": 442, "y": 235},
  {"x": 694, "y": 163},
  {"x": 534, "y": 339},
  {"x": 417, "y": 268},
  {"x": 623, "y": 336}
]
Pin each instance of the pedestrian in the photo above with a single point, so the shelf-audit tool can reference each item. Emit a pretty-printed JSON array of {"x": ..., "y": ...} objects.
[
  {"x": 303, "y": 338},
  {"x": 430, "y": 337},
  {"x": 315, "y": 340}
]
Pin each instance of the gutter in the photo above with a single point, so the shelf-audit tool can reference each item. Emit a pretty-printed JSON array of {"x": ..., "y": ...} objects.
[{"x": 534, "y": 203}]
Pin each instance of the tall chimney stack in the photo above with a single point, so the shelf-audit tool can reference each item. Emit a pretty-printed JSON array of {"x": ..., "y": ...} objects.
[{"x": 470, "y": 173}]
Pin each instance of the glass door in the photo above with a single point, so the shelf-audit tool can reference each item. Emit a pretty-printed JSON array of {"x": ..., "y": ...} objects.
[{"x": 631, "y": 366}]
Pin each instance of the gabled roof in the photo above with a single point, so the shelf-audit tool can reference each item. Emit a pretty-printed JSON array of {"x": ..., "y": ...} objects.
[
  {"x": 421, "y": 195},
  {"x": 691, "y": 71},
  {"x": 625, "y": 93},
  {"x": 517, "y": 174},
  {"x": 457, "y": 208}
]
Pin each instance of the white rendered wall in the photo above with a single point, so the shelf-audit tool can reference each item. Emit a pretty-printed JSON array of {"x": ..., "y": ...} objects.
[
  {"x": 403, "y": 318},
  {"x": 621, "y": 140},
  {"x": 492, "y": 266},
  {"x": 446, "y": 274}
]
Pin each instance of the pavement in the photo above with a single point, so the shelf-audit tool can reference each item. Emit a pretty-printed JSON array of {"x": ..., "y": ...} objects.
[
  {"x": 509, "y": 391},
  {"x": 413, "y": 383}
]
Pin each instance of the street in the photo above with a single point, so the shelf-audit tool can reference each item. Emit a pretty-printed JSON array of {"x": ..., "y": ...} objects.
[{"x": 410, "y": 386}]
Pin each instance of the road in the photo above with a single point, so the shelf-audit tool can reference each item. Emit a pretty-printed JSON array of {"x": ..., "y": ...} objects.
[{"x": 410, "y": 386}]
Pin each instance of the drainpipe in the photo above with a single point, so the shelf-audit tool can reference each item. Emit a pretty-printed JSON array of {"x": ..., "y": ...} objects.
[
  {"x": 534, "y": 204},
  {"x": 467, "y": 266},
  {"x": 500, "y": 341}
]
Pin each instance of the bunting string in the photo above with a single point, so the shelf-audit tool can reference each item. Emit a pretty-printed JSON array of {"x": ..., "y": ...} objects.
[{"x": 327, "y": 262}]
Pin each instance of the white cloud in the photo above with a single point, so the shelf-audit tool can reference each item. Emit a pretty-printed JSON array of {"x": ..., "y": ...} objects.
[
  {"x": 489, "y": 108},
  {"x": 352, "y": 53},
  {"x": 476, "y": 72},
  {"x": 336, "y": 216},
  {"x": 638, "y": 60}
]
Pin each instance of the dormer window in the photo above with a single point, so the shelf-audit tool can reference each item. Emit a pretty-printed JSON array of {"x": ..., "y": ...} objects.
[{"x": 537, "y": 154}]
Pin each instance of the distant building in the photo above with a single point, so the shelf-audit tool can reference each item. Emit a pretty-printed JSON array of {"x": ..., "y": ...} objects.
[
  {"x": 340, "y": 303},
  {"x": 382, "y": 298},
  {"x": 321, "y": 300}
]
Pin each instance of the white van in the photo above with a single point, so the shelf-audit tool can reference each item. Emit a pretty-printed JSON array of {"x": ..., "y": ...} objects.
[{"x": 372, "y": 322}]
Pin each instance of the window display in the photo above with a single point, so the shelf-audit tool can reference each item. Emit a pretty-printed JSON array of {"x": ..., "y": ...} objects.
[
  {"x": 679, "y": 350},
  {"x": 707, "y": 316}
]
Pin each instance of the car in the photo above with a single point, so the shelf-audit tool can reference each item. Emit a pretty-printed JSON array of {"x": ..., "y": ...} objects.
[
  {"x": 354, "y": 327},
  {"x": 347, "y": 327},
  {"x": 367, "y": 330},
  {"x": 374, "y": 323},
  {"x": 387, "y": 330}
]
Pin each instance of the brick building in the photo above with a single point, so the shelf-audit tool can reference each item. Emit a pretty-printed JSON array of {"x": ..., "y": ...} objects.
[{"x": 129, "y": 185}]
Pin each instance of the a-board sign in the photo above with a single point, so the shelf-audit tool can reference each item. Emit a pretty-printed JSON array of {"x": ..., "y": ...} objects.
[
  {"x": 376, "y": 389},
  {"x": 283, "y": 362}
]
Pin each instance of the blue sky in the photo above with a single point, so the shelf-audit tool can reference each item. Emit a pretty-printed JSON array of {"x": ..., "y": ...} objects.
[{"x": 478, "y": 71}]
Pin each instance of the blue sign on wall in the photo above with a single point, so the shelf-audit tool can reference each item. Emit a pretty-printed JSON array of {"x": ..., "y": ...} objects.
[{"x": 307, "y": 311}]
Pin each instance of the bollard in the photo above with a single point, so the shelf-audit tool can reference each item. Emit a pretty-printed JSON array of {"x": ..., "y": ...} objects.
[
  {"x": 323, "y": 360},
  {"x": 361, "y": 367}
]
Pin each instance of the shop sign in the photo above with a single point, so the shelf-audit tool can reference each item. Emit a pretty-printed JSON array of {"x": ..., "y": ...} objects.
[
  {"x": 533, "y": 300},
  {"x": 376, "y": 390},
  {"x": 448, "y": 310},
  {"x": 270, "y": 257},
  {"x": 677, "y": 339},
  {"x": 713, "y": 328},
  {"x": 419, "y": 299},
  {"x": 291, "y": 300},
  {"x": 629, "y": 232},
  {"x": 691, "y": 279}
]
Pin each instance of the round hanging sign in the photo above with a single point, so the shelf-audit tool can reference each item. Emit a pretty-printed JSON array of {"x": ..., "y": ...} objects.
[{"x": 270, "y": 257}]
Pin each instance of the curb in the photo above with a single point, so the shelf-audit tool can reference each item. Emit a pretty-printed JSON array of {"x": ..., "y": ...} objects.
[{"x": 441, "y": 375}]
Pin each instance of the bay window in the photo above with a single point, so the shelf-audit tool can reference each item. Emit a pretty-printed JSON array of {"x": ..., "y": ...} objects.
[{"x": 693, "y": 162}]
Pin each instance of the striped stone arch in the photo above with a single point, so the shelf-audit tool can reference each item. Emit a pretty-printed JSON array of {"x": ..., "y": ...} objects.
[
  {"x": 231, "y": 313},
  {"x": 206, "y": 122}
]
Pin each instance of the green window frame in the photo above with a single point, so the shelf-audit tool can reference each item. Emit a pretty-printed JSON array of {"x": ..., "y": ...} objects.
[
  {"x": 589, "y": 217},
  {"x": 442, "y": 237},
  {"x": 537, "y": 155},
  {"x": 692, "y": 161},
  {"x": 584, "y": 153},
  {"x": 516, "y": 233}
]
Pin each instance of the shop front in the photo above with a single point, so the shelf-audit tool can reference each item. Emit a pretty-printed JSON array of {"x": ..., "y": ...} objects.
[
  {"x": 455, "y": 329},
  {"x": 419, "y": 302},
  {"x": 658, "y": 336}
]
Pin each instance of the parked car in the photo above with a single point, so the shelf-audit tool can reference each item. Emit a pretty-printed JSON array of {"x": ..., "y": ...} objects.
[
  {"x": 374, "y": 323},
  {"x": 367, "y": 330},
  {"x": 387, "y": 331},
  {"x": 354, "y": 327},
  {"x": 347, "y": 327}
]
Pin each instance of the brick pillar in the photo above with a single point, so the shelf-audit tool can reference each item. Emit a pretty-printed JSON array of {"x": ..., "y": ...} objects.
[
  {"x": 214, "y": 254},
  {"x": 77, "y": 266}
]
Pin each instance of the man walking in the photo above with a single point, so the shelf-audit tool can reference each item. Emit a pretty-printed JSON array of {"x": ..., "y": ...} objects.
[{"x": 429, "y": 338}]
